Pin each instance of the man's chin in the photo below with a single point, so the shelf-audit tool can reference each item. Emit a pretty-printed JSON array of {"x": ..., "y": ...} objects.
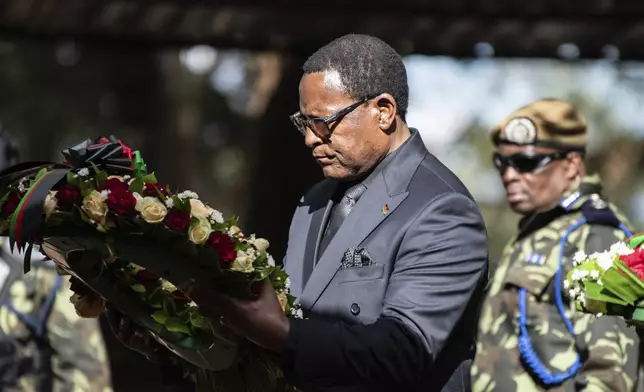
[
  {"x": 333, "y": 172},
  {"x": 522, "y": 208}
]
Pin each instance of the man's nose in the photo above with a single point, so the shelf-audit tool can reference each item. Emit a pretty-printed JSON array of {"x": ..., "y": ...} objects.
[
  {"x": 509, "y": 174},
  {"x": 311, "y": 139}
]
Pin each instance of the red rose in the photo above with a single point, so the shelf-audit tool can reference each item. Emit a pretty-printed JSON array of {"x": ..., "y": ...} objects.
[
  {"x": 179, "y": 296},
  {"x": 224, "y": 245},
  {"x": 635, "y": 261},
  {"x": 151, "y": 189},
  {"x": 146, "y": 276},
  {"x": 68, "y": 196},
  {"x": 10, "y": 204},
  {"x": 122, "y": 202},
  {"x": 177, "y": 220},
  {"x": 115, "y": 184}
]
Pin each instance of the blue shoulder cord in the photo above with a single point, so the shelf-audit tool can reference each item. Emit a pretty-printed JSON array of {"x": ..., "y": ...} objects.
[
  {"x": 38, "y": 324},
  {"x": 527, "y": 351}
]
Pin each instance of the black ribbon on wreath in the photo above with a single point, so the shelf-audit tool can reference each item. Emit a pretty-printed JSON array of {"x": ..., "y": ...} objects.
[{"x": 103, "y": 153}]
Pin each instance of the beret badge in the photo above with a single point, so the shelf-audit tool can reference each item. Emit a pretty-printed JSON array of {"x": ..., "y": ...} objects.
[{"x": 520, "y": 130}]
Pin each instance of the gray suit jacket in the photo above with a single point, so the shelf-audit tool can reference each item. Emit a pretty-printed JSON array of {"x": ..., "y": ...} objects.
[{"x": 427, "y": 240}]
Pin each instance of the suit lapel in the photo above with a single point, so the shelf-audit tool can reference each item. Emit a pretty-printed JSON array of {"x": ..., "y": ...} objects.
[
  {"x": 316, "y": 229},
  {"x": 363, "y": 219}
]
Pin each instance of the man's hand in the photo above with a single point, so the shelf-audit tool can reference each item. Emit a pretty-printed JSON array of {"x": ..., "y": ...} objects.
[
  {"x": 134, "y": 337},
  {"x": 261, "y": 320}
]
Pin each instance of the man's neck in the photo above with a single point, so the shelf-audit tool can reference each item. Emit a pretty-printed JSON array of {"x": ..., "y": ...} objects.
[{"x": 399, "y": 137}]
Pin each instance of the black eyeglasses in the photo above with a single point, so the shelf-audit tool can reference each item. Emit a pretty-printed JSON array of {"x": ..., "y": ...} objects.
[
  {"x": 526, "y": 163},
  {"x": 320, "y": 126}
]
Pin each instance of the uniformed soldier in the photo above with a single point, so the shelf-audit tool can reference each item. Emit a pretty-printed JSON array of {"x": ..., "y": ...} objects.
[
  {"x": 530, "y": 338},
  {"x": 44, "y": 345}
]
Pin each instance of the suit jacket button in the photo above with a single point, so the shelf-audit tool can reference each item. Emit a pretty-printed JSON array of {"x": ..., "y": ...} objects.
[{"x": 355, "y": 309}]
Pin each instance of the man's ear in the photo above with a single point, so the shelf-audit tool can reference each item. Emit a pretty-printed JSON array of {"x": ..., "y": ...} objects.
[
  {"x": 576, "y": 166},
  {"x": 387, "y": 110}
]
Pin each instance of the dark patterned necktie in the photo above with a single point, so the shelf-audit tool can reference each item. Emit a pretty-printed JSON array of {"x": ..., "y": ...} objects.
[{"x": 339, "y": 213}]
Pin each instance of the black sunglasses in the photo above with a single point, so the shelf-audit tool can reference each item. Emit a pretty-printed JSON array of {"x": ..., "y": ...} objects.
[
  {"x": 526, "y": 163},
  {"x": 320, "y": 126}
]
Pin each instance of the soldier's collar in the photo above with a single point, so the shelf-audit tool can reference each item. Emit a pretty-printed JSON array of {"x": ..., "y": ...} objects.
[{"x": 589, "y": 189}]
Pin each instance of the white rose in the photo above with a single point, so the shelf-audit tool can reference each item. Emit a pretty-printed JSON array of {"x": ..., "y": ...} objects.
[
  {"x": 260, "y": 244},
  {"x": 151, "y": 209},
  {"x": 50, "y": 204},
  {"x": 243, "y": 263},
  {"x": 95, "y": 207},
  {"x": 200, "y": 231}
]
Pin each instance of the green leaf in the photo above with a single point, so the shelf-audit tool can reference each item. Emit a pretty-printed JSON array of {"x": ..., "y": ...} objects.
[
  {"x": 96, "y": 169},
  {"x": 101, "y": 177},
  {"x": 140, "y": 168},
  {"x": 86, "y": 188},
  {"x": 151, "y": 178},
  {"x": 185, "y": 205},
  {"x": 139, "y": 288},
  {"x": 137, "y": 185},
  {"x": 73, "y": 179},
  {"x": 160, "y": 317},
  {"x": 198, "y": 321},
  {"x": 636, "y": 241},
  {"x": 624, "y": 268},
  {"x": 41, "y": 173},
  {"x": 622, "y": 286},
  {"x": 597, "y": 292},
  {"x": 175, "y": 325},
  {"x": 169, "y": 306}
]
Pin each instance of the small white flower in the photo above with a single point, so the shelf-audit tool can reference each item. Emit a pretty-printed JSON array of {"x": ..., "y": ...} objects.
[
  {"x": 271, "y": 261},
  {"x": 599, "y": 282},
  {"x": 604, "y": 259},
  {"x": 126, "y": 177},
  {"x": 566, "y": 284},
  {"x": 620, "y": 248},
  {"x": 579, "y": 257},
  {"x": 594, "y": 274},
  {"x": 188, "y": 195},
  {"x": 287, "y": 284},
  {"x": 105, "y": 193},
  {"x": 169, "y": 202},
  {"x": 21, "y": 188},
  {"x": 84, "y": 172},
  {"x": 217, "y": 217}
]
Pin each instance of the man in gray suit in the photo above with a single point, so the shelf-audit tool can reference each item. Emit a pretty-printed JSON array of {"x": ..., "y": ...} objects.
[{"x": 388, "y": 254}]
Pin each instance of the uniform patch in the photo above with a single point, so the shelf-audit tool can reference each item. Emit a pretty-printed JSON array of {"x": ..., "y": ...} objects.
[{"x": 535, "y": 258}]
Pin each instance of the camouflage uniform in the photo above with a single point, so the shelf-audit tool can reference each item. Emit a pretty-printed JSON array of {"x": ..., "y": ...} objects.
[
  {"x": 46, "y": 351},
  {"x": 609, "y": 350}
]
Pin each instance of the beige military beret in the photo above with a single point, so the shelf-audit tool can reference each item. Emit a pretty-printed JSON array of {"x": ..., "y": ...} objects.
[{"x": 547, "y": 123}]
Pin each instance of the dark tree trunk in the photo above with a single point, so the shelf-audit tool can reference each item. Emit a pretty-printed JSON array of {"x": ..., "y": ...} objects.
[{"x": 283, "y": 167}]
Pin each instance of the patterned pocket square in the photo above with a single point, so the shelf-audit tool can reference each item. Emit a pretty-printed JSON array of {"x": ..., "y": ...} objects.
[{"x": 356, "y": 258}]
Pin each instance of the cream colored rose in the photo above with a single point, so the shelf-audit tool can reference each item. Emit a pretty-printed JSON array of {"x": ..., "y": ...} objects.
[
  {"x": 152, "y": 210},
  {"x": 243, "y": 263},
  {"x": 95, "y": 207},
  {"x": 199, "y": 231},
  {"x": 235, "y": 231},
  {"x": 88, "y": 306},
  {"x": 261, "y": 244},
  {"x": 198, "y": 209},
  {"x": 50, "y": 204},
  {"x": 283, "y": 300}
]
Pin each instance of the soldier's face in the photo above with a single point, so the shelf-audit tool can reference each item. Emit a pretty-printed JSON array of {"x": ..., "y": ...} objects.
[{"x": 535, "y": 178}]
